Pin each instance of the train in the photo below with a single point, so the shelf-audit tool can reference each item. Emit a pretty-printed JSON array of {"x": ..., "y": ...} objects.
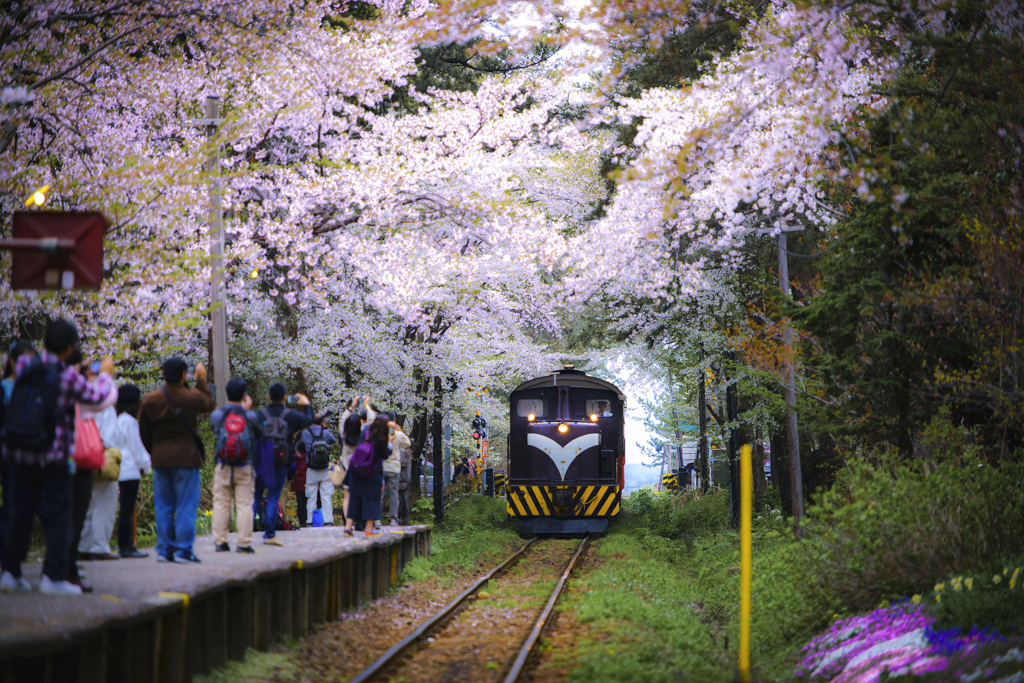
[{"x": 566, "y": 453}]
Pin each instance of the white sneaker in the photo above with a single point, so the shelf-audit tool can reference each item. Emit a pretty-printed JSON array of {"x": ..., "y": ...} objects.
[
  {"x": 48, "y": 587},
  {"x": 9, "y": 584}
]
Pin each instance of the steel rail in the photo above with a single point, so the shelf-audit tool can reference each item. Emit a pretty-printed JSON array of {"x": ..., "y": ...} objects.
[
  {"x": 542, "y": 620},
  {"x": 397, "y": 649}
]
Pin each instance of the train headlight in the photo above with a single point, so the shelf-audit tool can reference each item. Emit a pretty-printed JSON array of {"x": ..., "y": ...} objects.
[
  {"x": 563, "y": 428},
  {"x": 531, "y": 417},
  {"x": 593, "y": 417}
]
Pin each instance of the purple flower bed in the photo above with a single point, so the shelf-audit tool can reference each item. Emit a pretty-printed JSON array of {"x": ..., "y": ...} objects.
[{"x": 899, "y": 640}]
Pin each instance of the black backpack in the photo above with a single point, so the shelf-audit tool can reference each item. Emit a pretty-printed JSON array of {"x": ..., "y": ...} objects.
[
  {"x": 30, "y": 422},
  {"x": 275, "y": 429},
  {"x": 318, "y": 457}
]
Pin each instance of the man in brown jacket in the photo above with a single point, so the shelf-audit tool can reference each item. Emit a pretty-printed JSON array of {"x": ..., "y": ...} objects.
[{"x": 167, "y": 424}]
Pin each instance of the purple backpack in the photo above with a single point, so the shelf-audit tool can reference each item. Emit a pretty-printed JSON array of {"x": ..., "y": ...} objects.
[{"x": 362, "y": 461}]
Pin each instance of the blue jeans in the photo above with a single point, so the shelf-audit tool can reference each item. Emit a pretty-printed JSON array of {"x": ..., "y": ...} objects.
[
  {"x": 176, "y": 499},
  {"x": 273, "y": 489}
]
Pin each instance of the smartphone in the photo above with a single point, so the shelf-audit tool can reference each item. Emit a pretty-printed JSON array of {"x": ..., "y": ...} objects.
[
  {"x": 191, "y": 368},
  {"x": 293, "y": 399},
  {"x": 94, "y": 367}
]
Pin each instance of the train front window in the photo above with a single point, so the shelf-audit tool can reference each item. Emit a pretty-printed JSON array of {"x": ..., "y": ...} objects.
[
  {"x": 600, "y": 407},
  {"x": 538, "y": 407}
]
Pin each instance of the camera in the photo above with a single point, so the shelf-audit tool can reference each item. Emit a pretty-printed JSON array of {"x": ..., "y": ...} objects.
[
  {"x": 293, "y": 399},
  {"x": 94, "y": 367}
]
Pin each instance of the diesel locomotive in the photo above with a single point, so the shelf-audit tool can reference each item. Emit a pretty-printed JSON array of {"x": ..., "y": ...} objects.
[{"x": 566, "y": 453}]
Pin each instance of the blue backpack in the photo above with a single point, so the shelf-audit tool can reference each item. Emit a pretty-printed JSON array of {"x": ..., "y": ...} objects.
[{"x": 30, "y": 422}]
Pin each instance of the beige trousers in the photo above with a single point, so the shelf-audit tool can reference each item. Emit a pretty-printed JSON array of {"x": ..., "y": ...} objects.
[{"x": 240, "y": 481}]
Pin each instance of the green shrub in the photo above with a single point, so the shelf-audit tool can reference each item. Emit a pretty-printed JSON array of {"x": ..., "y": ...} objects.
[
  {"x": 892, "y": 525},
  {"x": 422, "y": 511},
  {"x": 680, "y": 517},
  {"x": 993, "y": 599},
  {"x": 792, "y": 598}
]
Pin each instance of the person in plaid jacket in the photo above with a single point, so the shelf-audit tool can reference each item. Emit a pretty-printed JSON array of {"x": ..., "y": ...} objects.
[{"x": 47, "y": 474}]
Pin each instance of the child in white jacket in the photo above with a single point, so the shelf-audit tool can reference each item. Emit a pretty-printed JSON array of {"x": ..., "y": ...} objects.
[
  {"x": 119, "y": 430},
  {"x": 135, "y": 464}
]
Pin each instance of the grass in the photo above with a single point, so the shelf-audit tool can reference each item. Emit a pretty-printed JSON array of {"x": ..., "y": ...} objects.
[
  {"x": 475, "y": 530},
  {"x": 258, "y": 667},
  {"x": 661, "y": 603}
]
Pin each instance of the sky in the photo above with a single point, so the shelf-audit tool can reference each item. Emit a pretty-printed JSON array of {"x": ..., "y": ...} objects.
[
  {"x": 636, "y": 432},
  {"x": 635, "y": 387}
]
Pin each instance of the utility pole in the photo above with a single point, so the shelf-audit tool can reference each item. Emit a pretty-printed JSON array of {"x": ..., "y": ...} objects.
[
  {"x": 220, "y": 369},
  {"x": 789, "y": 380}
]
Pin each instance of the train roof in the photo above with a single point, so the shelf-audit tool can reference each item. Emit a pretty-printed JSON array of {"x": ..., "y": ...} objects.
[{"x": 569, "y": 376}]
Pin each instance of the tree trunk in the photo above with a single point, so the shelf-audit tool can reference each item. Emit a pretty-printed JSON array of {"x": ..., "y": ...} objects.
[{"x": 780, "y": 471}]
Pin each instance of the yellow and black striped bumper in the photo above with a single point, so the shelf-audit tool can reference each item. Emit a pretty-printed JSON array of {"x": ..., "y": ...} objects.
[
  {"x": 670, "y": 482},
  {"x": 539, "y": 501}
]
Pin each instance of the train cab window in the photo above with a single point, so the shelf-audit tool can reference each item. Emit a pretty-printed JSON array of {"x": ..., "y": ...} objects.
[
  {"x": 600, "y": 407},
  {"x": 538, "y": 407}
]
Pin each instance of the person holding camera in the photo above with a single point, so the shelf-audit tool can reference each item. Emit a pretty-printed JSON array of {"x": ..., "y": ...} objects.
[
  {"x": 354, "y": 423},
  {"x": 167, "y": 424},
  {"x": 237, "y": 433},
  {"x": 279, "y": 425},
  {"x": 37, "y": 451},
  {"x": 398, "y": 443}
]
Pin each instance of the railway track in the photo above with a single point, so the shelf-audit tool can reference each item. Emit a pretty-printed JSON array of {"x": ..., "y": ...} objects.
[{"x": 430, "y": 639}]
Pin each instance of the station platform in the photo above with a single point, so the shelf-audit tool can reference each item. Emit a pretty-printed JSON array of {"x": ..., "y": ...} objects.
[{"x": 150, "y": 621}]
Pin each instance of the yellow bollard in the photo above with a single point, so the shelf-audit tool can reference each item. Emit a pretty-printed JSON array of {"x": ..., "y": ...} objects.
[{"x": 746, "y": 505}]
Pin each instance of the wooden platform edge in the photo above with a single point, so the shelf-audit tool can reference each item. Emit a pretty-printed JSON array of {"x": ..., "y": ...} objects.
[{"x": 171, "y": 640}]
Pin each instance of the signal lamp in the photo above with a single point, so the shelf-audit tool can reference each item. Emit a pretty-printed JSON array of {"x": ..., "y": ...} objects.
[
  {"x": 255, "y": 274},
  {"x": 476, "y": 435},
  {"x": 563, "y": 428},
  {"x": 531, "y": 417},
  {"x": 593, "y": 417}
]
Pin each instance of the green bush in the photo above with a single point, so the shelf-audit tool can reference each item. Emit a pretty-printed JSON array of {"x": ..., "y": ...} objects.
[
  {"x": 891, "y": 526},
  {"x": 992, "y": 599},
  {"x": 792, "y": 598},
  {"x": 677, "y": 517}
]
